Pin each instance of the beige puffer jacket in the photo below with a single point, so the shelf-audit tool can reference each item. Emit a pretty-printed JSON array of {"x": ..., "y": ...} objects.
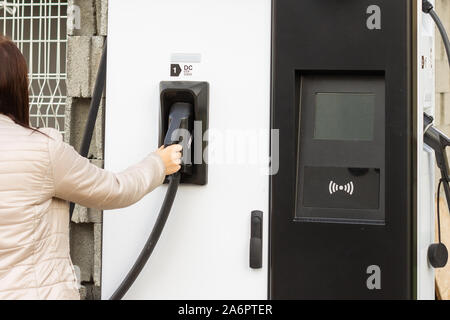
[{"x": 35, "y": 173}]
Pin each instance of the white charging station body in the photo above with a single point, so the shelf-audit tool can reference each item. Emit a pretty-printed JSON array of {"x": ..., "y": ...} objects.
[
  {"x": 203, "y": 252},
  {"x": 426, "y": 164}
]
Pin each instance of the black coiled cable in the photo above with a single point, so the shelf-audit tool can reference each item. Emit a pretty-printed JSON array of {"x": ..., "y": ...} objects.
[
  {"x": 427, "y": 7},
  {"x": 174, "y": 181}
]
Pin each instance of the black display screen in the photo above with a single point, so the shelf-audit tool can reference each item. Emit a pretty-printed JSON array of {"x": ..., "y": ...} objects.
[{"x": 344, "y": 116}]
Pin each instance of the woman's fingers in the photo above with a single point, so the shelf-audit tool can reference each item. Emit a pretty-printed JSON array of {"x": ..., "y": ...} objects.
[
  {"x": 176, "y": 155},
  {"x": 173, "y": 147},
  {"x": 173, "y": 169},
  {"x": 177, "y": 147}
]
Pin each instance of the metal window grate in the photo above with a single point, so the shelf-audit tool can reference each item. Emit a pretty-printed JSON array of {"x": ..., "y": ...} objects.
[{"x": 39, "y": 28}]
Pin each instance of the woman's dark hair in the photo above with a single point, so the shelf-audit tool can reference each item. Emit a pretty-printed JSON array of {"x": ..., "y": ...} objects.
[{"x": 14, "y": 98}]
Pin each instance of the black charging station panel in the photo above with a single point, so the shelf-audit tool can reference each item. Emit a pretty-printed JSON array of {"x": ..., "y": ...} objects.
[
  {"x": 341, "y": 166},
  {"x": 341, "y": 202},
  {"x": 197, "y": 94}
]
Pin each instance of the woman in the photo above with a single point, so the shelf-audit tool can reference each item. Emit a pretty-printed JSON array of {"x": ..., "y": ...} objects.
[{"x": 39, "y": 174}]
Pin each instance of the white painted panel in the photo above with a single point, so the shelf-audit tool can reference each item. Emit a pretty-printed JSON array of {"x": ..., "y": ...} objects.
[
  {"x": 425, "y": 226},
  {"x": 203, "y": 251}
]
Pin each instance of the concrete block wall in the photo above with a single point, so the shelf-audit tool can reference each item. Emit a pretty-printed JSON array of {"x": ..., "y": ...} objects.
[{"x": 86, "y": 35}]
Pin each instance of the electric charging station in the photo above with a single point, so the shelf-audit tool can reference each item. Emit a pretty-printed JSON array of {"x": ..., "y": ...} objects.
[{"x": 350, "y": 211}]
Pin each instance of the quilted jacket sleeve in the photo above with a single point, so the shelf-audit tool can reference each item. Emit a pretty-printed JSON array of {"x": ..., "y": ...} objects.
[{"x": 77, "y": 180}]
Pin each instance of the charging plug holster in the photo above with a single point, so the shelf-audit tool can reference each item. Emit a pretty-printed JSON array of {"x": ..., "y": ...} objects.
[{"x": 187, "y": 94}]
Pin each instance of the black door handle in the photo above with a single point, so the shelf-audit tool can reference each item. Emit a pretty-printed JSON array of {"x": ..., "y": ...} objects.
[{"x": 256, "y": 245}]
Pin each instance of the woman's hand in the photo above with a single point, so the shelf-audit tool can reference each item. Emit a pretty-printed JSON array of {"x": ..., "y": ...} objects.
[{"x": 171, "y": 156}]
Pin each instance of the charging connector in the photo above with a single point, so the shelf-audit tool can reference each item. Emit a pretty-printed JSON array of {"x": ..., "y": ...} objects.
[
  {"x": 438, "y": 141},
  {"x": 426, "y": 6},
  {"x": 181, "y": 126}
]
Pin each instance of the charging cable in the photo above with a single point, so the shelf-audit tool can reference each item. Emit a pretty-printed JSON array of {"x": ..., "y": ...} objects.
[
  {"x": 174, "y": 182},
  {"x": 181, "y": 115},
  {"x": 428, "y": 8},
  {"x": 437, "y": 252},
  {"x": 99, "y": 88}
]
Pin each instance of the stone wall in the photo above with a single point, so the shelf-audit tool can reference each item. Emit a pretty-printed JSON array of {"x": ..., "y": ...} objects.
[{"x": 86, "y": 35}]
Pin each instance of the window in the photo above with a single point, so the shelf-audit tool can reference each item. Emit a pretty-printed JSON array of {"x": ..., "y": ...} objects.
[{"x": 39, "y": 28}]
